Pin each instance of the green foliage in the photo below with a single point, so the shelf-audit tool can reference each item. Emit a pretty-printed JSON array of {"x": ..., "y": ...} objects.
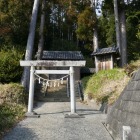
[
  {"x": 10, "y": 70},
  {"x": 107, "y": 7},
  {"x": 104, "y": 84},
  {"x": 86, "y": 22},
  {"x": 63, "y": 45},
  {"x": 71, "y": 21},
  {"x": 14, "y": 23},
  {"x": 106, "y": 28},
  {"x": 89, "y": 61},
  {"x": 12, "y": 105},
  {"x": 138, "y": 32},
  {"x": 133, "y": 31},
  {"x": 85, "y": 81},
  {"x": 110, "y": 31}
]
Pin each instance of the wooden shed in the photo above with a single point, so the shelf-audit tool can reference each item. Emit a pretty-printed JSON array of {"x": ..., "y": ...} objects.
[
  {"x": 104, "y": 58},
  {"x": 63, "y": 55}
]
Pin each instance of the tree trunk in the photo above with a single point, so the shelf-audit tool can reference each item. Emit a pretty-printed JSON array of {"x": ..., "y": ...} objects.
[
  {"x": 41, "y": 32},
  {"x": 30, "y": 44},
  {"x": 95, "y": 39},
  {"x": 95, "y": 34},
  {"x": 123, "y": 38},
  {"x": 117, "y": 25}
]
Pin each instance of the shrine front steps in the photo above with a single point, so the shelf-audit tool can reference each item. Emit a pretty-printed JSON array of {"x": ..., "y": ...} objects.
[{"x": 56, "y": 94}]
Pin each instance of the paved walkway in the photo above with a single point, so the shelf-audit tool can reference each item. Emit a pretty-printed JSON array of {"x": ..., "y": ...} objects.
[{"x": 53, "y": 126}]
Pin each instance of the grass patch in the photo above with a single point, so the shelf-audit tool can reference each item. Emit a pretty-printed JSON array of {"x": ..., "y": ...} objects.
[
  {"x": 132, "y": 67},
  {"x": 12, "y": 106},
  {"x": 10, "y": 114},
  {"x": 106, "y": 85}
]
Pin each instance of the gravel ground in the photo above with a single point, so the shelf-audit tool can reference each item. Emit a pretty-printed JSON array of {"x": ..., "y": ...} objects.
[{"x": 52, "y": 125}]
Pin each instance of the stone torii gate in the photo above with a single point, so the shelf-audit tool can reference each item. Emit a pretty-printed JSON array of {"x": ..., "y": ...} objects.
[{"x": 39, "y": 63}]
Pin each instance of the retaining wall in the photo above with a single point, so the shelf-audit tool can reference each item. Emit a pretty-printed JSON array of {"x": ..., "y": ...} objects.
[{"x": 126, "y": 111}]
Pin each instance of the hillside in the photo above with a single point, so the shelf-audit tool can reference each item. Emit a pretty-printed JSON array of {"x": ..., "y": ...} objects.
[{"x": 106, "y": 85}]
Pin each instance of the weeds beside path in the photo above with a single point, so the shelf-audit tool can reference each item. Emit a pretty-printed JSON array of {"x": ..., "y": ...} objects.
[{"x": 12, "y": 106}]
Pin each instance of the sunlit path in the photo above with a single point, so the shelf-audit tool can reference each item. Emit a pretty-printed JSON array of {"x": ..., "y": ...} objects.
[{"x": 52, "y": 125}]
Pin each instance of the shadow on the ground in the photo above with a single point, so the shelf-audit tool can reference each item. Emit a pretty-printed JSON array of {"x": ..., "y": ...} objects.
[
  {"x": 88, "y": 111},
  {"x": 39, "y": 104},
  {"x": 20, "y": 133},
  {"x": 81, "y": 112},
  {"x": 55, "y": 113}
]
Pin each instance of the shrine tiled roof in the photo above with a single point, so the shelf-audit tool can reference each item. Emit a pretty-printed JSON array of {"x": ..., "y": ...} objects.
[
  {"x": 105, "y": 51},
  {"x": 62, "y": 55}
]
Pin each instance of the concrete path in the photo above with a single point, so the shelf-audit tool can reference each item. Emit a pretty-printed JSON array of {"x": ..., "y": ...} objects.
[{"x": 53, "y": 126}]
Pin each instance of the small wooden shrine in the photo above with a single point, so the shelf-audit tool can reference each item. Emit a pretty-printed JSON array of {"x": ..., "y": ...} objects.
[{"x": 105, "y": 58}]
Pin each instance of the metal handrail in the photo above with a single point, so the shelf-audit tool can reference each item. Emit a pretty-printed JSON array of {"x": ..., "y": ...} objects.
[
  {"x": 80, "y": 90},
  {"x": 68, "y": 87}
]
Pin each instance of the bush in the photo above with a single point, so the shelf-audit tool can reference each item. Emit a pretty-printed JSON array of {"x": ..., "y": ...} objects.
[{"x": 10, "y": 70}]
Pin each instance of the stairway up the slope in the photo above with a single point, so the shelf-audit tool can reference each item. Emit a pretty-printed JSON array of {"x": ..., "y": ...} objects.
[{"x": 55, "y": 94}]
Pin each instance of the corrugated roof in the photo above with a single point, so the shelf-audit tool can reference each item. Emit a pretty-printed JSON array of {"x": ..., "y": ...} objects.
[
  {"x": 62, "y": 55},
  {"x": 105, "y": 51}
]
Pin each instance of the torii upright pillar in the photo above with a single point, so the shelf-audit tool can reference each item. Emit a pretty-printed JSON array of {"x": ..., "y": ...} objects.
[
  {"x": 72, "y": 91},
  {"x": 73, "y": 113},
  {"x": 31, "y": 94}
]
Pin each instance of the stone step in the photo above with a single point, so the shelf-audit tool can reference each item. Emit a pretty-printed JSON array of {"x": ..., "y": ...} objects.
[
  {"x": 56, "y": 94},
  {"x": 54, "y": 99}
]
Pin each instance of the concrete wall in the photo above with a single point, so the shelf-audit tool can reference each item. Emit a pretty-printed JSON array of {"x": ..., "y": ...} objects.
[{"x": 126, "y": 111}]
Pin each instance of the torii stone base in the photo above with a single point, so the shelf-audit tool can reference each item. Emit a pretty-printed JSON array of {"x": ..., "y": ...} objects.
[
  {"x": 73, "y": 115},
  {"x": 32, "y": 115}
]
